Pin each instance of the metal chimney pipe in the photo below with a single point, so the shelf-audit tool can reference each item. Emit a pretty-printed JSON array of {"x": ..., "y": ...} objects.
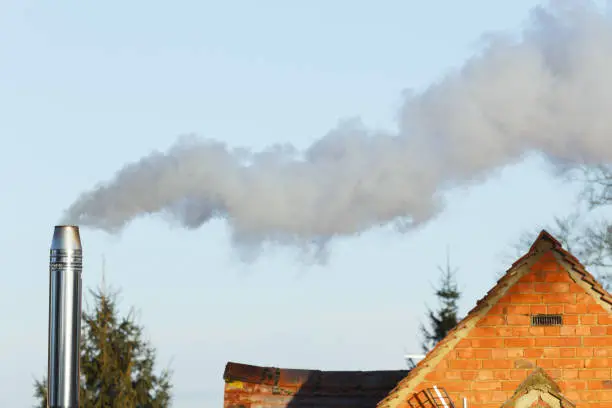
[{"x": 65, "y": 267}]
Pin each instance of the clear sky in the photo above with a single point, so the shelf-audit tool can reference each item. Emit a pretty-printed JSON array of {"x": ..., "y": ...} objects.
[{"x": 85, "y": 88}]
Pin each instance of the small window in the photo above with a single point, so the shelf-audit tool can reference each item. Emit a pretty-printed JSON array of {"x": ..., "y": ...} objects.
[{"x": 546, "y": 320}]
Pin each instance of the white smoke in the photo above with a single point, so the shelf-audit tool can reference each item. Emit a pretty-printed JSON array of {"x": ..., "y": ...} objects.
[{"x": 549, "y": 90}]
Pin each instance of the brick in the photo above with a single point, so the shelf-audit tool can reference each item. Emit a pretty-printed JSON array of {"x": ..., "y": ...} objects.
[
  {"x": 582, "y": 330},
  {"x": 558, "y": 277},
  {"x": 601, "y": 352},
  {"x": 533, "y": 352},
  {"x": 486, "y": 385},
  {"x": 450, "y": 375},
  {"x": 560, "y": 287},
  {"x": 483, "y": 332},
  {"x": 503, "y": 331},
  {"x": 469, "y": 375},
  {"x": 597, "y": 341},
  {"x": 519, "y": 342},
  {"x": 569, "y": 374},
  {"x": 435, "y": 375},
  {"x": 567, "y": 331},
  {"x": 585, "y": 298},
  {"x": 552, "y": 352},
  {"x": 588, "y": 318},
  {"x": 482, "y": 353},
  {"x": 536, "y": 331},
  {"x": 485, "y": 375},
  {"x": 518, "y": 320},
  {"x": 598, "y": 330},
  {"x": 576, "y": 288},
  {"x": 520, "y": 331},
  {"x": 488, "y": 343},
  {"x": 595, "y": 308},
  {"x": 465, "y": 353},
  {"x": 541, "y": 287},
  {"x": 568, "y": 363},
  {"x": 537, "y": 309},
  {"x": 497, "y": 309},
  {"x": 568, "y": 352},
  {"x": 604, "y": 319},
  {"x": 554, "y": 309},
  {"x": 573, "y": 385},
  {"x": 518, "y": 309},
  {"x": 496, "y": 364},
  {"x": 570, "y": 320},
  {"x": 586, "y": 374},
  {"x": 553, "y": 331},
  {"x": 493, "y": 320},
  {"x": 464, "y": 343},
  {"x": 522, "y": 363},
  {"x": 575, "y": 309},
  {"x": 562, "y": 298},
  {"x": 525, "y": 298},
  {"x": 501, "y": 374},
  {"x": 597, "y": 362},
  {"x": 521, "y": 287},
  {"x": 510, "y": 385},
  {"x": 482, "y": 397},
  {"x": 499, "y": 354},
  {"x": 465, "y": 364}
]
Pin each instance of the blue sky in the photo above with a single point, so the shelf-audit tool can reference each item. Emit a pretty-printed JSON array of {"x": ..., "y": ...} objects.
[{"x": 85, "y": 88}]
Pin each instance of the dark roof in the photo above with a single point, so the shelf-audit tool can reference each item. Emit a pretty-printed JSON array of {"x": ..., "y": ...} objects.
[
  {"x": 314, "y": 380},
  {"x": 247, "y": 384}
]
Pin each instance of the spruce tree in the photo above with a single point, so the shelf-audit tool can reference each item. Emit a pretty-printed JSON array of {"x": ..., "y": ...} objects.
[
  {"x": 117, "y": 363},
  {"x": 445, "y": 318}
]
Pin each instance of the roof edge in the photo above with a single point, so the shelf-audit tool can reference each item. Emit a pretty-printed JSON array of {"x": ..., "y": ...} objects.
[{"x": 316, "y": 379}]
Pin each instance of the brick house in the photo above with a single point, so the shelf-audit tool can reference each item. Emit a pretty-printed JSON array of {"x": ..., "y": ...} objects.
[
  {"x": 547, "y": 312},
  {"x": 541, "y": 337}
]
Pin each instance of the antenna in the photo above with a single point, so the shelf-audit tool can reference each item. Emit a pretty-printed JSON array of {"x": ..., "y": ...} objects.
[{"x": 413, "y": 359}]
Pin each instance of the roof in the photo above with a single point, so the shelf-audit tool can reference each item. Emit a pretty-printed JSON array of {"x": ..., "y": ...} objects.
[
  {"x": 545, "y": 244},
  {"x": 538, "y": 386},
  {"x": 294, "y": 387}
]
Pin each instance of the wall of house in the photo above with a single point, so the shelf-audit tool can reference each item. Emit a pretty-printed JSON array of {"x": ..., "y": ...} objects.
[
  {"x": 248, "y": 386},
  {"x": 503, "y": 348}
]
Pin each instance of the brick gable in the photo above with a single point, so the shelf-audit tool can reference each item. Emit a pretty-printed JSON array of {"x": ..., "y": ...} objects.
[{"x": 496, "y": 347}]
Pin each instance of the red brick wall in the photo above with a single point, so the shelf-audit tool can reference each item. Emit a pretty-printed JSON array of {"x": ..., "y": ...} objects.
[{"x": 496, "y": 355}]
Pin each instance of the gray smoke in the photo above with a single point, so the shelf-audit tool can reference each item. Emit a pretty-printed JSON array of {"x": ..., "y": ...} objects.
[{"x": 547, "y": 90}]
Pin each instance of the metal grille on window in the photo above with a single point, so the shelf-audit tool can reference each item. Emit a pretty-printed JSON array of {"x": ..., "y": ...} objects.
[{"x": 546, "y": 320}]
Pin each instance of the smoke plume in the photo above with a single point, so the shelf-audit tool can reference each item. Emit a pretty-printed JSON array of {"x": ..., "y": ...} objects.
[{"x": 546, "y": 90}]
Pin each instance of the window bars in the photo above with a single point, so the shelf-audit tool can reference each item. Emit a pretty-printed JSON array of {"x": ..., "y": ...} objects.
[{"x": 431, "y": 398}]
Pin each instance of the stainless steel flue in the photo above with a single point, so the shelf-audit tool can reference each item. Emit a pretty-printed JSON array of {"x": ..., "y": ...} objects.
[{"x": 65, "y": 267}]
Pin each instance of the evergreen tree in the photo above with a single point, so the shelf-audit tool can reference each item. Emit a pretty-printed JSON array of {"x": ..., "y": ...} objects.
[
  {"x": 445, "y": 318},
  {"x": 117, "y": 364}
]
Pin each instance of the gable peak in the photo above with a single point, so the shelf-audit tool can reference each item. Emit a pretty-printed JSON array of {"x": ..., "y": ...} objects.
[{"x": 544, "y": 241}]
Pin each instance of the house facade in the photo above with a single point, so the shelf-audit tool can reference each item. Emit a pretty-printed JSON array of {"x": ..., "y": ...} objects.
[
  {"x": 541, "y": 337},
  {"x": 546, "y": 313}
]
